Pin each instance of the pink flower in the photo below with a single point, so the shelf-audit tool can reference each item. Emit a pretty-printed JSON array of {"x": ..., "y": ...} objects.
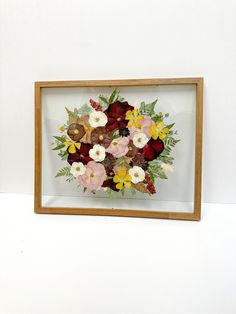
[
  {"x": 118, "y": 147},
  {"x": 145, "y": 123},
  {"x": 94, "y": 176}
]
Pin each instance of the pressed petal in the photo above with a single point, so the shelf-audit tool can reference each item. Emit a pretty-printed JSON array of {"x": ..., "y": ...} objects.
[
  {"x": 154, "y": 131},
  {"x": 129, "y": 115},
  {"x": 78, "y": 145},
  {"x": 166, "y": 130},
  {"x": 160, "y": 124},
  {"x": 162, "y": 136},
  {"x": 128, "y": 177},
  {"x": 119, "y": 186},
  {"x": 116, "y": 179},
  {"x": 127, "y": 185},
  {"x": 122, "y": 173},
  {"x": 72, "y": 149}
]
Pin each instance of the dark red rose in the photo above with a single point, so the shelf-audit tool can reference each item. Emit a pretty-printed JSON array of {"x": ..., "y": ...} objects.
[
  {"x": 109, "y": 183},
  {"x": 109, "y": 163},
  {"x": 81, "y": 155},
  {"x": 132, "y": 150},
  {"x": 140, "y": 161},
  {"x": 153, "y": 149},
  {"x": 116, "y": 115}
]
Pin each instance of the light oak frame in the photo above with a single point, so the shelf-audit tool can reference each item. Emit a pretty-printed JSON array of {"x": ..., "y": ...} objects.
[{"x": 196, "y": 215}]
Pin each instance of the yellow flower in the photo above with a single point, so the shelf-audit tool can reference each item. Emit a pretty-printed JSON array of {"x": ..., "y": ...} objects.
[
  {"x": 72, "y": 146},
  {"x": 123, "y": 179},
  {"x": 158, "y": 131},
  {"x": 133, "y": 118},
  {"x": 62, "y": 128}
]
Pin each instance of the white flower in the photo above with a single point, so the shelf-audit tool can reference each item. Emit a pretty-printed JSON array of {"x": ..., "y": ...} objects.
[
  {"x": 77, "y": 169},
  {"x": 137, "y": 174},
  {"x": 167, "y": 167},
  {"x": 97, "y": 153},
  {"x": 140, "y": 140},
  {"x": 97, "y": 118}
]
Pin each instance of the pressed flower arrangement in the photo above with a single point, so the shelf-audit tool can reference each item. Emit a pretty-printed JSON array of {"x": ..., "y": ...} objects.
[{"x": 114, "y": 146}]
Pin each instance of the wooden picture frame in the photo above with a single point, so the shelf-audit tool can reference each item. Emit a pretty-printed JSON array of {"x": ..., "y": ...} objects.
[{"x": 197, "y": 82}]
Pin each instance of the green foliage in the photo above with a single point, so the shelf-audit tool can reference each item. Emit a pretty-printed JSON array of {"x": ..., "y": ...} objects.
[
  {"x": 65, "y": 172},
  {"x": 170, "y": 126},
  {"x": 63, "y": 154},
  {"x": 114, "y": 96},
  {"x": 110, "y": 193},
  {"x": 59, "y": 146},
  {"x": 103, "y": 102},
  {"x": 156, "y": 171},
  {"x": 61, "y": 139},
  {"x": 160, "y": 117},
  {"x": 83, "y": 110},
  {"x": 59, "y": 142},
  {"x": 115, "y": 135},
  {"x": 147, "y": 109},
  {"x": 166, "y": 159},
  {"x": 122, "y": 163},
  {"x": 72, "y": 116},
  {"x": 170, "y": 141}
]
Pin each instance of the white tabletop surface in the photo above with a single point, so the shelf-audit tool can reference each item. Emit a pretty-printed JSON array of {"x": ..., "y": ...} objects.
[{"x": 91, "y": 265}]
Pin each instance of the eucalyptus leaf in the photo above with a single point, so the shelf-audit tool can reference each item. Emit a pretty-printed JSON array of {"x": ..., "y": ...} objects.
[
  {"x": 59, "y": 147},
  {"x": 147, "y": 109},
  {"x": 84, "y": 110}
]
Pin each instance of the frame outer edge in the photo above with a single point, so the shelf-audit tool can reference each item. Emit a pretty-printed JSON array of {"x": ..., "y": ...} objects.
[{"x": 195, "y": 216}]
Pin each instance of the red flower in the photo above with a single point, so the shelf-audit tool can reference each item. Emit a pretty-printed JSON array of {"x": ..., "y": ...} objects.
[
  {"x": 153, "y": 149},
  {"x": 150, "y": 186},
  {"x": 116, "y": 115},
  {"x": 109, "y": 183},
  {"x": 95, "y": 105},
  {"x": 81, "y": 155}
]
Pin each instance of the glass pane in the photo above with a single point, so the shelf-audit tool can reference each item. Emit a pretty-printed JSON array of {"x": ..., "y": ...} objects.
[{"x": 174, "y": 194}]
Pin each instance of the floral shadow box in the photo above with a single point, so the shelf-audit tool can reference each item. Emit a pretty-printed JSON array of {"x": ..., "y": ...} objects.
[{"x": 119, "y": 147}]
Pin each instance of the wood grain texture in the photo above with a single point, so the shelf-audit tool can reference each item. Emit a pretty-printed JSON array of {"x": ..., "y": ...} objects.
[{"x": 196, "y": 215}]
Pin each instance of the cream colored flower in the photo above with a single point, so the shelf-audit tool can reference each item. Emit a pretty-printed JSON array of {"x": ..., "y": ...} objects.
[
  {"x": 167, "y": 167},
  {"x": 140, "y": 140},
  {"x": 97, "y": 153},
  {"x": 137, "y": 174},
  {"x": 77, "y": 169},
  {"x": 97, "y": 118}
]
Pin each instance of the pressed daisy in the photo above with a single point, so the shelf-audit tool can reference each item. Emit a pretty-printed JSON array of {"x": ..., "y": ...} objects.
[
  {"x": 97, "y": 153},
  {"x": 140, "y": 140},
  {"x": 134, "y": 118},
  {"x": 137, "y": 174},
  {"x": 77, "y": 169},
  {"x": 158, "y": 131},
  {"x": 97, "y": 118},
  {"x": 122, "y": 179}
]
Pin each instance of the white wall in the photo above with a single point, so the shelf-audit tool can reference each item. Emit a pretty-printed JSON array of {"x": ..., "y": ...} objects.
[
  {"x": 71, "y": 39},
  {"x": 93, "y": 265}
]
